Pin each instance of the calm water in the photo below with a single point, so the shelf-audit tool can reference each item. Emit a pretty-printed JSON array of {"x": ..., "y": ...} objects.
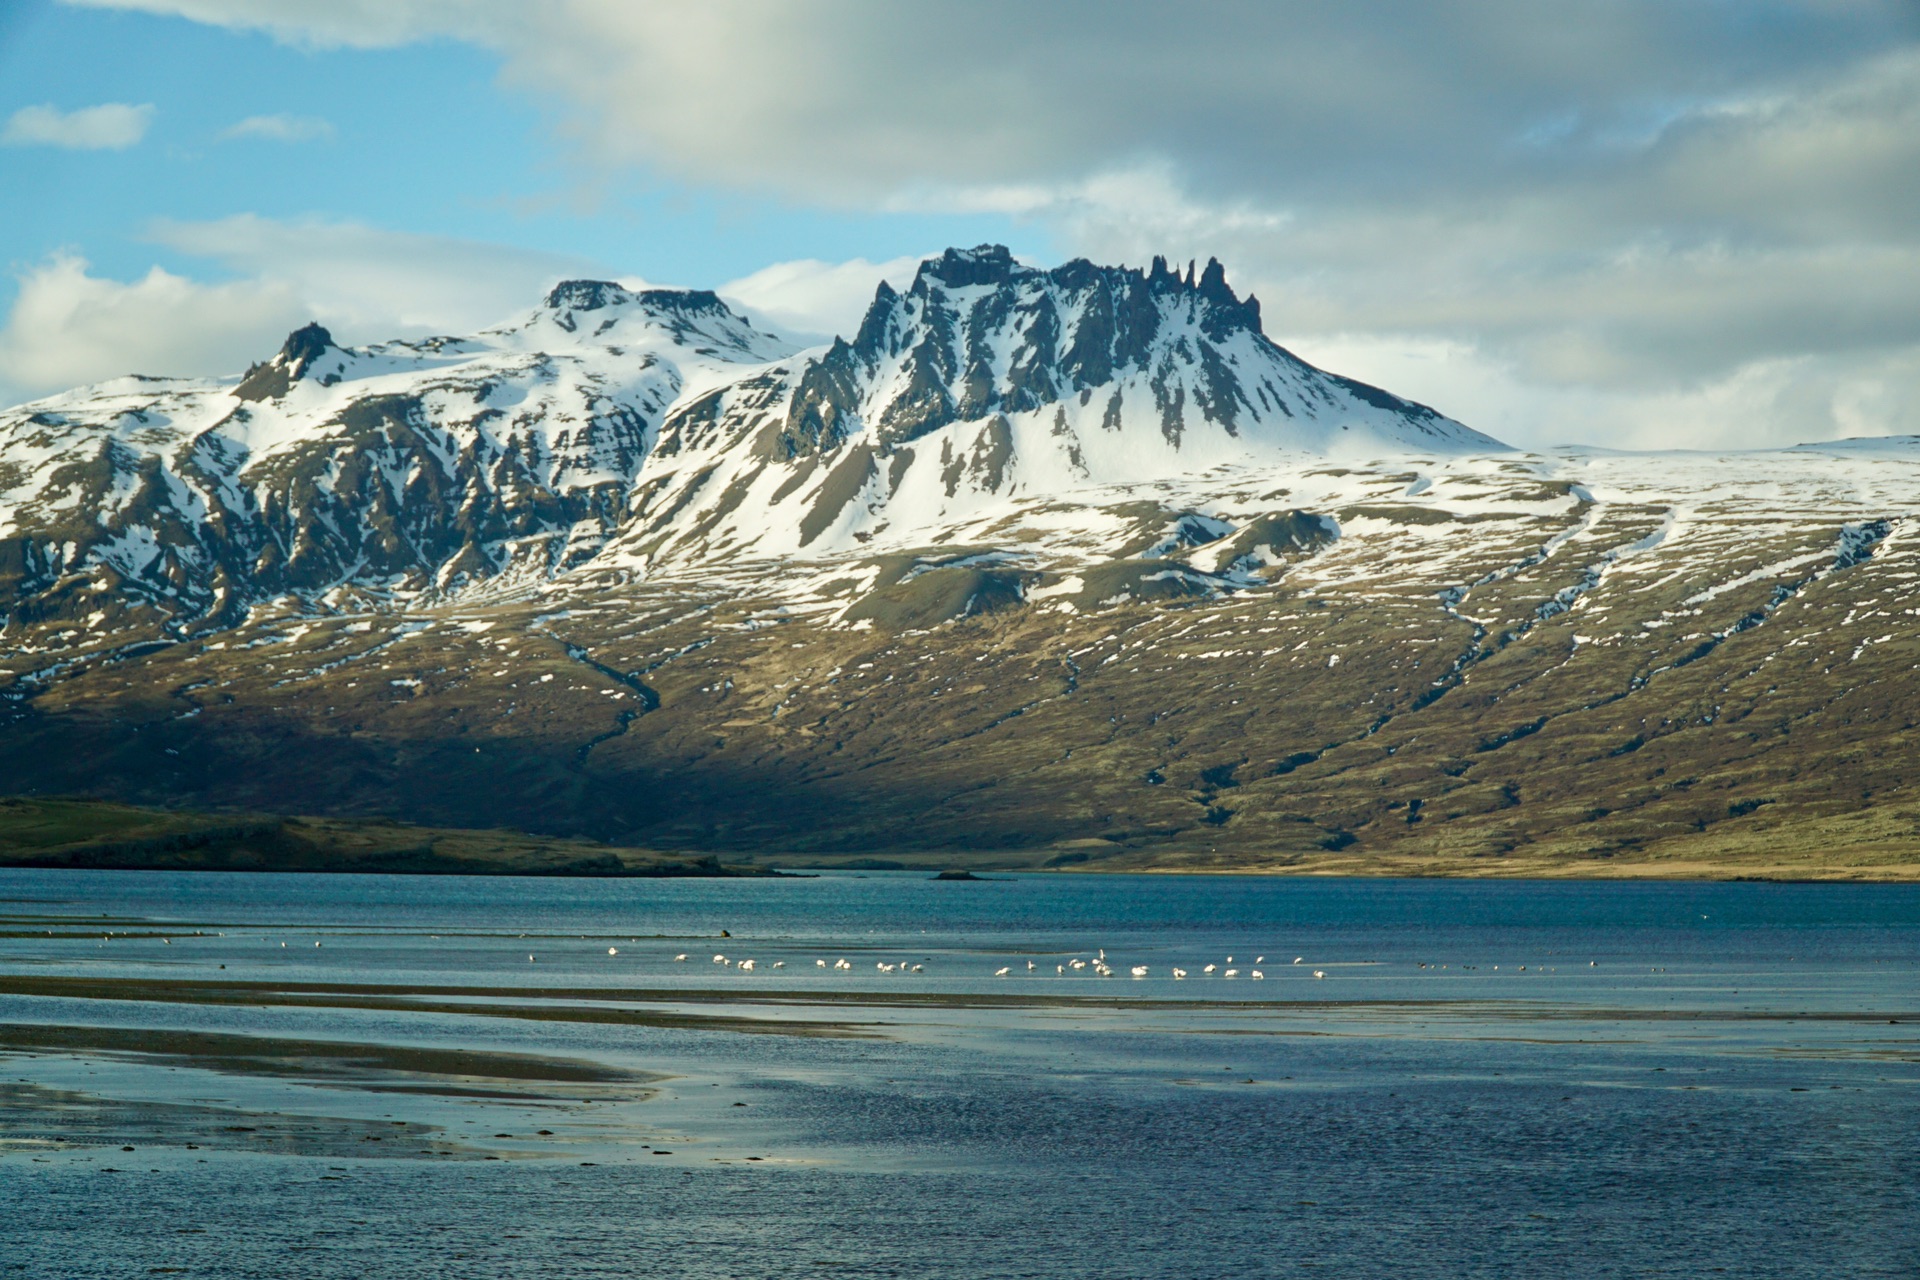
[{"x": 1490, "y": 1079}]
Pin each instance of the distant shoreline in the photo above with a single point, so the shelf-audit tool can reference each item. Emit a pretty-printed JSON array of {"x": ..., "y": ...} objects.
[{"x": 81, "y": 834}]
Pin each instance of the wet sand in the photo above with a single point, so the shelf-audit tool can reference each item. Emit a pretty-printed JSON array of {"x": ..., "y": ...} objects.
[{"x": 608, "y": 1004}]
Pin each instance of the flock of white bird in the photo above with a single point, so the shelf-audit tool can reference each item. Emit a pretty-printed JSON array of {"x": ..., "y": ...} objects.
[
  {"x": 842, "y": 964},
  {"x": 1077, "y": 964},
  {"x": 1102, "y": 969}
]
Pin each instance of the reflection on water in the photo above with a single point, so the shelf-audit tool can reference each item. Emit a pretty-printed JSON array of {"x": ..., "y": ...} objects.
[{"x": 387, "y": 1076}]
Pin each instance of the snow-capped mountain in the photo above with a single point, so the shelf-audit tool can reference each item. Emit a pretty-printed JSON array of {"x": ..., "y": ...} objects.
[
  {"x": 413, "y": 467},
  {"x": 651, "y": 432},
  {"x": 1044, "y": 567}
]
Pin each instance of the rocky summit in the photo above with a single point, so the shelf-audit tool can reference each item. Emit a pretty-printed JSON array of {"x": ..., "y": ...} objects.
[{"x": 1070, "y": 567}]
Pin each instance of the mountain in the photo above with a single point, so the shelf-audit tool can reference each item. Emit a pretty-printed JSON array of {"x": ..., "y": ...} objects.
[
  {"x": 1038, "y": 567},
  {"x": 648, "y": 430}
]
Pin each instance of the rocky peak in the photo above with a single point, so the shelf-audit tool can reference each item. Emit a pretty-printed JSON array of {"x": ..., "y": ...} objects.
[
  {"x": 990, "y": 264},
  {"x": 586, "y": 295},
  {"x": 612, "y": 313},
  {"x": 979, "y": 333},
  {"x": 303, "y": 347}
]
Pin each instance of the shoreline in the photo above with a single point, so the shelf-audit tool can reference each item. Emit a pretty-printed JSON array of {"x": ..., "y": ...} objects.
[{"x": 71, "y": 833}]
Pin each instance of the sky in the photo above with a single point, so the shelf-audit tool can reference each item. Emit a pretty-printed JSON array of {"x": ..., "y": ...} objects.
[{"x": 1618, "y": 223}]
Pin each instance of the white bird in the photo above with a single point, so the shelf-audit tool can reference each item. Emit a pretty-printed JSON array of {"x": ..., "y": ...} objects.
[
  {"x": 613, "y": 951},
  {"x": 1103, "y": 953},
  {"x": 529, "y": 959},
  {"x": 1001, "y": 973},
  {"x": 1298, "y": 959},
  {"x": 746, "y": 966},
  {"x": 1139, "y": 971},
  {"x": 884, "y": 967},
  {"x": 1029, "y": 966},
  {"x": 719, "y": 959},
  {"x": 1074, "y": 963},
  {"x": 843, "y": 963},
  {"x": 1231, "y": 973},
  {"x": 1209, "y": 969},
  {"x": 820, "y": 964},
  {"x": 1179, "y": 973},
  {"x": 1060, "y": 969},
  {"x": 1229, "y": 959},
  {"x": 1256, "y": 974},
  {"x": 681, "y": 957},
  {"x": 919, "y": 968},
  {"x": 1259, "y": 959},
  {"x": 1319, "y": 973},
  {"x": 779, "y": 964}
]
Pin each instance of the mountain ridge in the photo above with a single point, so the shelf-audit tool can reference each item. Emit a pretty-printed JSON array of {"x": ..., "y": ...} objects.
[
  {"x": 424, "y": 467},
  {"x": 628, "y": 568}
]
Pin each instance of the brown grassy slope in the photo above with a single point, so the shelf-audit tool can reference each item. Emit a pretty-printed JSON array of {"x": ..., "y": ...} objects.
[
  {"x": 92, "y": 834},
  {"x": 1698, "y": 714}
]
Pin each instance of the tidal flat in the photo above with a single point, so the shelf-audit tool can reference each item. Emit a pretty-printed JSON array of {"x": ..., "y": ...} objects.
[{"x": 376, "y": 1076}]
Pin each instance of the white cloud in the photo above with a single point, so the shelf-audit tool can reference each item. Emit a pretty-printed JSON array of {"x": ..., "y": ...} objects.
[
  {"x": 280, "y": 128},
  {"x": 68, "y": 327},
  {"x": 354, "y": 24},
  {"x": 1625, "y": 210},
  {"x": 810, "y": 299},
  {"x": 111, "y": 126},
  {"x": 1761, "y": 404},
  {"x": 372, "y": 283}
]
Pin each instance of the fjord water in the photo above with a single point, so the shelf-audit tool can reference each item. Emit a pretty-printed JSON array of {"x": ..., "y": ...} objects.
[{"x": 1491, "y": 1078}]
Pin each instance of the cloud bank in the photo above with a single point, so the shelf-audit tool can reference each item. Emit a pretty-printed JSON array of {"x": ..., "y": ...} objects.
[
  {"x": 69, "y": 326},
  {"x": 1627, "y": 214}
]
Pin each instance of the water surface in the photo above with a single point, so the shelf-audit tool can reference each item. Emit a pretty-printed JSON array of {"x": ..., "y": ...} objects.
[{"x": 1485, "y": 1078}]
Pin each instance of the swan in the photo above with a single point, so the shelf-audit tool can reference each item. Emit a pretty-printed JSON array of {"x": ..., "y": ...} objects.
[
  {"x": 1256, "y": 974},
  {"x": 1319, "y": 973},
  {"x": 1139, "y": 971},
  {"x": 1001, "y": 973},
  {"x": 820, "y": 964},
  {"x": 884, "y": 967},
  {"x": 681, "y": 958},
  {"x": 1179, "y": 973},
  {"x": 919, "y": 968},
  {"x": 746, "y": 966},
  {"x": 779, "y": 964},
  {"x": 1231, "y": 973},
  {"x": 1210, "y": 968},
  {"x": 613, "y": 951}
]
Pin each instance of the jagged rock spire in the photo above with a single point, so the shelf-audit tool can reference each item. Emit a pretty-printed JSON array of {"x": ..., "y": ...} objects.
[{"x": 298, "y": 353}]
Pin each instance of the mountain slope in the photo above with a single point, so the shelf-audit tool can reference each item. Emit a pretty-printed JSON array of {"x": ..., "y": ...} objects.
[
  {"x": 987, "y": 380},
  {"x": 629, "y": 569},
  {"x": 407, "y": 469},
  {"x": 642, "y": 431}
]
